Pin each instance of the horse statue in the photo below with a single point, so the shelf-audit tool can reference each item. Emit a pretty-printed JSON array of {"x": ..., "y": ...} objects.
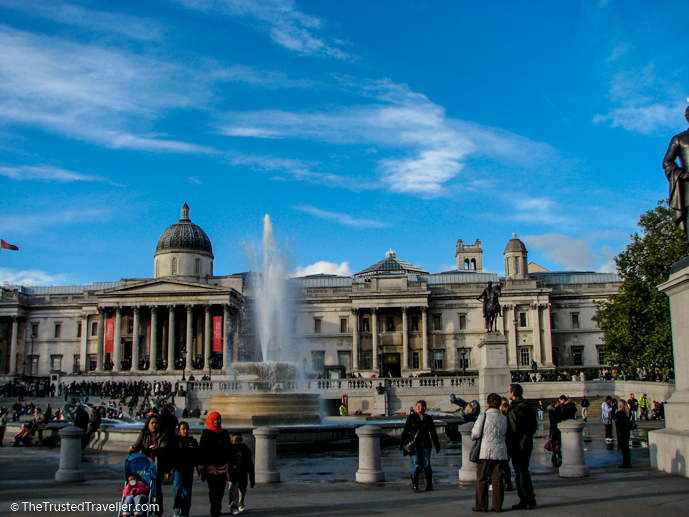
[{"x": 491, "y": 306}]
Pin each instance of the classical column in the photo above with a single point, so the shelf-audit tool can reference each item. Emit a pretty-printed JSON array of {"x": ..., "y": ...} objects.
[
  {"x": 207, "y": 336},
  {"x": 100, "y": 347},
  {"x": 135, "y": 341},
  {"x": 13, "y": 345},
  {"x": 536, "y": 309},
  {"x": 83, "y": 353},
  {"x": 153, "y": 347},
  {"x": 171, "y": 339},
  {"x": 227, "y": 337},
  {"x": 374, "y": 333},
  {"x": 510, "y": 312},
  {"x": 355, "y": 339},
  {"x": 405, "y": 338},
  {"x": 547, "y": 336},
  {"x": 117, "y": 341},
  {"x": 190, "y": 328},
  {"x": 424, "y": 338}
]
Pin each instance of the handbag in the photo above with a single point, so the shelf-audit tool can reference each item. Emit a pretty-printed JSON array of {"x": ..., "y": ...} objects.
[
  {"x": 552, "y": 446},
  {"x": 475, "y": 453},
  {"x": 407, "y": 447}
]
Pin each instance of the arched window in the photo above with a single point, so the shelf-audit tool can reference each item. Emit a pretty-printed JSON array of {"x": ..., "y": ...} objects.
[
  {"x": 516, "y": 265},
  {"x": 466, "y": 264},
  {"x": 473, "y": 264},
  {"x": 174, "y": 266},
  {"x": 197, "y": 267}
]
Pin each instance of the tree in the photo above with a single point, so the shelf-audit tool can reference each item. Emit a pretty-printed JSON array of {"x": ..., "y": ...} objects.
[{"x": 636, "y": 321}]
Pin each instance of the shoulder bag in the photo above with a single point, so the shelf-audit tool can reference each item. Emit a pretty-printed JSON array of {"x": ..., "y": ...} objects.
[{"x": 474, "y": 455}]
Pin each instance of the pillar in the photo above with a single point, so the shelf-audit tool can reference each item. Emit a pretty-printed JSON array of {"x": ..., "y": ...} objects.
[
  {"x": 374, "y": 334},
  {"x": 171, "y": 339},
  {"x": 424, "y": 338},
  {"x": 153, "y": 348},
  {"x": 83, "y": 352},
  {"x": 100, "y": 347},
  {"x": 136, "y": 345},
  {"x": 467, "y": 473},
  {"x": 370, "y": 470},
  {"x": 207, "y": 336},
  {"x": 510, "y": 317},
  {"x": 13, "y": 345},
  {"x": 265, "y": 467},
  {"x": 547, "y": 337},
  {"x": 355, "y": 339},
  {"x": 226, "y": 336},
  {"x": 405, "y": 338},
  {"x": 573, "y": 460},
  {"x": 70, "y": 455},
  {"x": 536, "y": 321},
  {"x": 190, "y": 334},
  {"x": 117, "y": 341}
]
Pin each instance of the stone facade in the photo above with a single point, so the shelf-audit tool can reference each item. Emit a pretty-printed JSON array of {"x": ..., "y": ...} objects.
[{"x": 390, "y": 319}]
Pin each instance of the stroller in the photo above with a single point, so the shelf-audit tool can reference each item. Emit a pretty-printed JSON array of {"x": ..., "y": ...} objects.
[
  {"x": 25, "y": 435},
  {"x": 147, "y": 470}
]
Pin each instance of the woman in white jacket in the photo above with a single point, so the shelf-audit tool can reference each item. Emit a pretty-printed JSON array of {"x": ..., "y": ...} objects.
[{"x": 491, "y": 428}]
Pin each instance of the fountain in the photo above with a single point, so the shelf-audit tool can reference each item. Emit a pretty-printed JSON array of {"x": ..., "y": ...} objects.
[{"x": 268, "y": 391}]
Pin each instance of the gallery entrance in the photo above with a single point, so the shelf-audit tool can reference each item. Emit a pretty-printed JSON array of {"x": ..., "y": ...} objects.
[{"x": 392, "y": 367}]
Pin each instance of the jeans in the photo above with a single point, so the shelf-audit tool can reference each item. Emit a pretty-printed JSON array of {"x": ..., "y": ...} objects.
[
  {"x": 420, "y": 460},
  {"x": 237, "y": 493},
  {"x": 181, "y": 492},
  {"x": 132, "y": 505}
]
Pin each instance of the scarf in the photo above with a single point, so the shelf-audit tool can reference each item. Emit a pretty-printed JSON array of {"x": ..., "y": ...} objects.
[{"x": 209, "y": 422}]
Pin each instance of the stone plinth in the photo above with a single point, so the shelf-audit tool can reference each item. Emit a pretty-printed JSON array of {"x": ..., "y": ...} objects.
[
  {"x": 267, "y": 409},
  {"x": 669, "y": 447},
  {"x": 494, "y": 374},
  {"x": 573, "y": 460},
  {"x": 467, "y": 474},
  {"x": 70, "y": 456},
  {"x": 265, "y": 466},
  {"x": 370, "y": 470}
]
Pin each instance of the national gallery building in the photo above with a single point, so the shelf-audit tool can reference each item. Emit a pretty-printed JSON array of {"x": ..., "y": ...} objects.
[{"x": 390, "y": 319}]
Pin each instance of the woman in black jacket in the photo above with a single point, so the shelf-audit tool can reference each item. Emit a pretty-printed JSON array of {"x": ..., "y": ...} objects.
[
  {"x": 184, "y": 458},
  {"x": 217, "y": 458},
  {"x": 623, "y": 426},
  {"x": 419, "y": 431}
]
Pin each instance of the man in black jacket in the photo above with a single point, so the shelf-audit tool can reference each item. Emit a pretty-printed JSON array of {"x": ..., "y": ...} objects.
[{"x": 521, "y": 426}]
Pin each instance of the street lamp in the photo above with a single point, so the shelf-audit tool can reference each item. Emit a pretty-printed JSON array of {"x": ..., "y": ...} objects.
[
  {"x": 184, "y": 364},
  {"x": 33, "y": 336},
  {"x": 516, "y": 340},
  {"x": 463, "y": 352}
]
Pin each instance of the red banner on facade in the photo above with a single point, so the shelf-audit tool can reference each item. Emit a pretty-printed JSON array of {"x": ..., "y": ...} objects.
[
  {"x": 217, "y": 333},
  {"x": 109, "y": 335}
]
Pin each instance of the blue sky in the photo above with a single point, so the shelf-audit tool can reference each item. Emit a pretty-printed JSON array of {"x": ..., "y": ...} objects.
[{"x": 358, "y": 126}]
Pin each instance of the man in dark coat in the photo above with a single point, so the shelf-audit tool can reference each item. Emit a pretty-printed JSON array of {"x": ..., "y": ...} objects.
[
  {"x": 521, "y": 426},
  {"x": 678, "y": 176}
]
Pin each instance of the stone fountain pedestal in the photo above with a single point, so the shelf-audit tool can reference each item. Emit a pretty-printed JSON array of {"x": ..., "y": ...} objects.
[{"x": 267, "y": 409}]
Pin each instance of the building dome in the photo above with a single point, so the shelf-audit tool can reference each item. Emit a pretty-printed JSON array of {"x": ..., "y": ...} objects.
[
  {"x": 515, "y": 245},
  {"x": 185, "y": 236}
]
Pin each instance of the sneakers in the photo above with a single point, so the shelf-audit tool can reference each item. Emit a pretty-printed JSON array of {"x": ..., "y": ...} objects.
[
  {"x": 241, "y": 509},
  {"x": 235, "y": 512}
]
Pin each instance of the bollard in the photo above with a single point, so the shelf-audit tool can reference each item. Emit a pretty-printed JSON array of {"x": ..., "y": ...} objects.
[
  {"x": 369, "y": 455},
  {"x": 573, "y": 460},
  {"x": 70, "y": 455},
  {"x": 467, "y": 474},
  {"x": 266, "y": 456}
]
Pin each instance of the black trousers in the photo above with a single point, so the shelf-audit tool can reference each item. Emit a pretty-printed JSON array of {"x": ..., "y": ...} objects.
[
  {"x": 608, "y": 431},
  {"x": 623, "y": 444},
  {"x": 216, "y": 489},
  {"x": 520, "y": 462}
]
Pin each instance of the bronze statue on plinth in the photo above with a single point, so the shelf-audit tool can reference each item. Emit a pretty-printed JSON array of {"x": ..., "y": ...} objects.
[{"x": 678, "y": 176}]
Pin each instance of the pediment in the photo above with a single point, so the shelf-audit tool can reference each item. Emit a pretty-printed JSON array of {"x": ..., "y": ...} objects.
[{"x": 164, "y": 286}]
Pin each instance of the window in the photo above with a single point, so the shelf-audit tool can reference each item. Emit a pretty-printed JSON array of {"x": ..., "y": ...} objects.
[
  {"x": 601, "y": 356},
  {"x": 55, "y": 363},
  {"x": 575, "y": 320},
  {"x": 76, "y": 364},
  {"x": 94, "y": 328},
  {"x": 524, "y": 356},
  {"x": 367, "y": 360},
  {"x": 33, "y": 365},
  {"x": 437, "y": 322},
  {"x": 438, "y": 361},
  {"x": 344, "y": 359},
  {"x": 577, "y": 356},
  {"x": 462, "y": 322},
  {"x": 553, "y": 320},
  {"x": 58, "y": 330},
  {"x": 522, "y": 319},
  {"x": 34, "y": 329},
  {"x": 174, "y": 266},
  {"x": 516, "y": 265},
  {"x": 197, "y": 266},
  {"x": 317, "y": 359},
  {"x": 93, "y": 362},
  {"x": 344, "y": 325},
  {"x": 78, "y": 328},
  {"x": 317, "y": 325},
  {"x": 390, "y": 324},
  {"x": 415, "y": 324},
  {"x": 415, "y": 360},
  {"x": 464, "y": 355},
  {"x": 366, "y": 325}
]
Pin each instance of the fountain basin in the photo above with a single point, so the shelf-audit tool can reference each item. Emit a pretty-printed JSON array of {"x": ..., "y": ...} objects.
[{"x": 261, "y": 409}]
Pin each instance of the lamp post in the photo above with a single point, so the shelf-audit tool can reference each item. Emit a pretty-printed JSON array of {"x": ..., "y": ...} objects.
[
  {"x": 516, "y": 340},
  {"x": 184, "y": 364},
  {"x": 463, "y": 353},
  {"x": 33, "y": 337}
]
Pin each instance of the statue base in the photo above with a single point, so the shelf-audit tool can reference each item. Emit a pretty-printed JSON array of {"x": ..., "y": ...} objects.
[{"x": 494, "y": 373}]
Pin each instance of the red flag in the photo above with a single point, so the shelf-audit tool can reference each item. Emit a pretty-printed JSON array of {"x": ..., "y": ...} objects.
[{"x": 7, "y": 246}]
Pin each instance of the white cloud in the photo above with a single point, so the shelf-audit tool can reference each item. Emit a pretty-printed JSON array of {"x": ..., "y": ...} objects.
[
  {"x": 286, "y": 26},
  {"x": 324, "y": 268},
  {"x": 343, "y": 219},
  {"x": 572, "y": 253},
  {"x": 47, "y": 173},
  {"x": 31, "y": 277},
  {"x": 34, "y": 222}
]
